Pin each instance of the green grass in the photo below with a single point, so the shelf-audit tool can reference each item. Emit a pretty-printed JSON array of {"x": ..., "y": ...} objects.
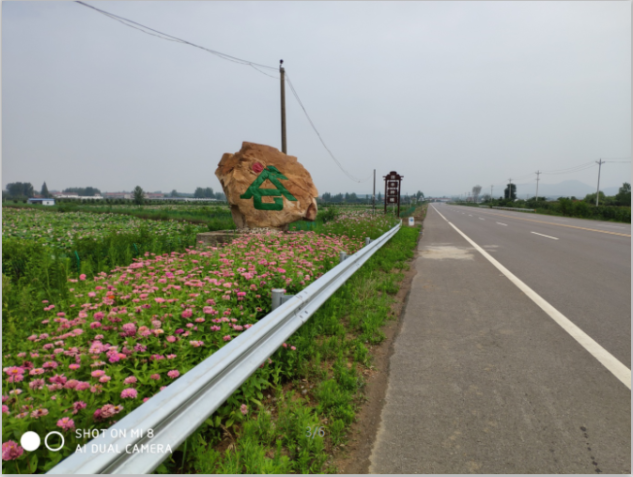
[{"x": 318, "y": 386}]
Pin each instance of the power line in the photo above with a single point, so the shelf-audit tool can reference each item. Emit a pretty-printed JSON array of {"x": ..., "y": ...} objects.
[
  {"x": 294, "y": 92},
  {"x": 164, "y": 36}
]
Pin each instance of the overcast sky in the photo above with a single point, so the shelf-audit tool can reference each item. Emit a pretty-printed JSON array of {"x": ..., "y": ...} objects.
[{"x": 448, "y": 94}]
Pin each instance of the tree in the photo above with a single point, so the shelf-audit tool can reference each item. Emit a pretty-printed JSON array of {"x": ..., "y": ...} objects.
[
  {"x": 173, "y": 193},
  {"x": 199, "y": 193},
  {"x": 139, "y": 195},
  {"x": 82, "y": 191},
  {"x": 510, "y": 192},
  {"x": 419, "y": 195},
  {"x": 20, "y": 189},
  {"x": 623, "y": 197},
  {"x": 476, "y": 191},
  {"x": 44, "y": 193},
  {"x": 379, "y": 197}
]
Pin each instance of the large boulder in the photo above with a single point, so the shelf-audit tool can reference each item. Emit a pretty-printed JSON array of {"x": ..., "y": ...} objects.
[{"x": 266, "y": 188}]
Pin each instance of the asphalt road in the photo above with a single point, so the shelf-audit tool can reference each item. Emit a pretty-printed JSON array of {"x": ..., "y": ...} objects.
[{"x": 482, "y": 379}]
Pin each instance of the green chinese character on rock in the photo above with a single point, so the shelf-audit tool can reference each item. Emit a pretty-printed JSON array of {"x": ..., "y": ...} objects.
[{"x": 274, "y": 176}]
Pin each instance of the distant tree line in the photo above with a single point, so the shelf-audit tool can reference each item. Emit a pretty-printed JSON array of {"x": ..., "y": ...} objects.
[
  {"x": 616, "y": 207},
  {"x": 352, "y": 198}
]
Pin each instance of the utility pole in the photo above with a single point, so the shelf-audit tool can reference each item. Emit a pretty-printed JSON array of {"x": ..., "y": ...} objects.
[
  {"x": 510, "y": 189},
  {"x": 282, "y": 77},
  {"x": 373, "y": 197},
  {"x": 600, "y": 162},
  {"x": 537, "y": 174},
  {"x": 491, "y": 194}
]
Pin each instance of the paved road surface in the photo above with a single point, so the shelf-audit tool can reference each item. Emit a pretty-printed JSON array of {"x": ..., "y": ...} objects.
[{"x": 482, "y": 379}]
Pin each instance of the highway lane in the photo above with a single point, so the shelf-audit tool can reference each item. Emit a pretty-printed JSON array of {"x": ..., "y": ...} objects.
[
  {"x": 483, "y": 379},
  {"x": 584, "y": 274}
]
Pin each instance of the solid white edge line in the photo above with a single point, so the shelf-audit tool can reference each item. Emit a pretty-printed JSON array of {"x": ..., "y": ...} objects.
[
  {"x": 502, "y": 224},
  {"x": 543, "y": 235},
  {"x": 609, "y": 361}
]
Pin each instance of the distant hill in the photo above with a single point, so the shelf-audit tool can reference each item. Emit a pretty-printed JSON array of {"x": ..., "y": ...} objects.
[{"x": 562, "y": 189}]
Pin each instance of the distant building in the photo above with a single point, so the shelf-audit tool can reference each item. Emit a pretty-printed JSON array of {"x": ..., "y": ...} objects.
[
  {"x": 154, "y": 195},
  {"x": 41, "y": 201},
  {"x": 117, "y": 195}
]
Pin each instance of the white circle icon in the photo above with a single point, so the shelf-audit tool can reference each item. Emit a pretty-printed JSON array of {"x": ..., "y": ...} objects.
[
  {"x": 30, "y": 441},
  {"x": 46, "y": 441}
]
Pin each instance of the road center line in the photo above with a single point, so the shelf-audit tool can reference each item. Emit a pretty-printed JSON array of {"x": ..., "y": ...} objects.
[
  {"x": 609, "y": 361},
  {"x": 502, "y": 224},
  {"x": 543, "y": 235}
]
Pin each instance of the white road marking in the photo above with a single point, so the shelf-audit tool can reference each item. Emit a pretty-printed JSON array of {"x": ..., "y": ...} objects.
[
  {"x": 609, "y": 361},
  {"x": 480, "y": 218},
  {"x": 502, "y": 224},
  {"x": 469, "y": 215},
  {"x": 542, "y": 235}
]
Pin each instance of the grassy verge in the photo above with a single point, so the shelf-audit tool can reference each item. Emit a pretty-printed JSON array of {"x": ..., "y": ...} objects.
[{"x": 292, "y": 413}]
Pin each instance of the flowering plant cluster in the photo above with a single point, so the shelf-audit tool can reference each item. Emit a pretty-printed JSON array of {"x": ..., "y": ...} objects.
[
  {"x": 122, "y": 337},
  {"x": 62, "y": 230}
]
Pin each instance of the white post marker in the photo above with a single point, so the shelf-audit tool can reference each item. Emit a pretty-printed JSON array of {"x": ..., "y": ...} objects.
[{"x": 411, "y": 221}]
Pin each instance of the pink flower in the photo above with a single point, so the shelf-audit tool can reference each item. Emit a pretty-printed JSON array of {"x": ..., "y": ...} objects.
[
  {"x": 82, "y": 386},
  {"x": 129, "y": 393},
  {"x": 196, "y": 344},
  {"x": 97, "y": 373},
  {"x": 244, "y": 409},
  {"x": 104, "y": 379},
  {"x": 50, "y": 364},
  {"x": 281, "y": 270},
  {"x": 173, "y": 374},
  {"x": 159, "y": 300},
  {"x": 215, "y": 328},
  {"x": 171, "y": 339},
  {"x": 36, "y": 371},
  {"x": 107, "y": 411},
  {"x": 98, "y": 316},
  {"x": 155, "y": 377},
  {"x": 187, "y": 313},
  {"x": 130, "y": 380},
  {"x": 14, "y": 370},
  {"x": 208, "y": 310},
  {"x": 171, "y": 356},
  {"x": 74, "y": 366},
  {"x": 71, "y": 384},
  {"x": 82, "y": 277},
  {"x": 293, "y": 348},
  {"x": 5, "y": 409},
  {"x": 78, "y": 406},
  {"x": 66, "y": 423},
  {"x": 226, "y": 338},
  {"x": 11, "y": 450},
  {"x": 39, "y": 413}
]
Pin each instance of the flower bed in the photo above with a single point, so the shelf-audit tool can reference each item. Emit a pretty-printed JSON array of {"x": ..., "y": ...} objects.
[
  {"x": 63, "y": 230},
  {"x": 122, "y": 337}
]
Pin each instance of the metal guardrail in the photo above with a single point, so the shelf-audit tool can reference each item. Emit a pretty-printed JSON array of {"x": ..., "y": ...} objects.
[
  {"x": 175, "y": 413},
  {"x": 518, "y": 209}
]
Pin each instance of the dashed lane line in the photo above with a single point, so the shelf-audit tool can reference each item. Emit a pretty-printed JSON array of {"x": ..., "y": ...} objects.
[
  {"x": 558, "y": 225},
  {"x": 501, "y": 223},
  {"x": 619, "y": 370},
  {"x": 543, "y": 235}
]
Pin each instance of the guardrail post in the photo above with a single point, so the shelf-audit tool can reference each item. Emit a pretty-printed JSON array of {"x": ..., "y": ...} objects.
[
  {"x": 367, "y": 241},
  {"x": 278, "y": 294},
  {"x": 342, "y": 257}
]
